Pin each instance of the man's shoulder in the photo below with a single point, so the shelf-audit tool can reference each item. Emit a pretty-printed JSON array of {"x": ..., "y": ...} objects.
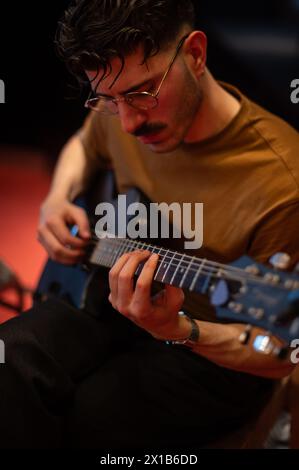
[
  {"x": 279, "y": 138},
  {"x": 275, "y": 130}
]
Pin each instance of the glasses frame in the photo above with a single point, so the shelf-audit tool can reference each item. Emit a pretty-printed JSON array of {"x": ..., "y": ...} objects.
[{"x": 128, "y": 96}]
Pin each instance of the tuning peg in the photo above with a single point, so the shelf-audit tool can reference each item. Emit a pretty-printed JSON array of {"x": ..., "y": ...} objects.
[{"x": 280, "y": 260}]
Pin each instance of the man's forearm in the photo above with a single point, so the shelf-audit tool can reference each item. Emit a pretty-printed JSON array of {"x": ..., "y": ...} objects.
[
  {"x": 220, "y": 344},
  {"x": 72, "y": 171}
]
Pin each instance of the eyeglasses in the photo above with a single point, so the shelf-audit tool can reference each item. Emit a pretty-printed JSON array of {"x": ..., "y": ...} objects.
[{"x": 143, "y": 100}]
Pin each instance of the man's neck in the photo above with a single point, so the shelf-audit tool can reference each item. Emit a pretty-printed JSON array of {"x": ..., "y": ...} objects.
[{"x": 217, "y": 110}]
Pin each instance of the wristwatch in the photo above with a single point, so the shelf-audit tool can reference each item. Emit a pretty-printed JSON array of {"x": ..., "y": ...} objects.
[{"x": 193, "y": 336}]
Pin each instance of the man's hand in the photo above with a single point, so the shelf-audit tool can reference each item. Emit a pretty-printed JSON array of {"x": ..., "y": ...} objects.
[
  {"x": 158, "y": 315},
  {"x": 53, "y": 232}
]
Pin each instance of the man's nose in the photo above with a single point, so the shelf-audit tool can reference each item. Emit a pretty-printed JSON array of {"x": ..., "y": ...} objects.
[{"x": 131, "y": 118}]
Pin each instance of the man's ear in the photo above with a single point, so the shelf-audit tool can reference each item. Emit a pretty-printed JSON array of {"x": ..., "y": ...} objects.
[{"x": 195, "y": 48}]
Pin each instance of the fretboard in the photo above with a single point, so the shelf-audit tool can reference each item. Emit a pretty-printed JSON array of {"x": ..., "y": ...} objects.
[{"x": 174, "y": 268}]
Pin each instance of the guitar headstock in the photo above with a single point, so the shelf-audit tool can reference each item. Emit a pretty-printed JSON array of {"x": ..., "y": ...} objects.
[{"x": 254, "y": 294}]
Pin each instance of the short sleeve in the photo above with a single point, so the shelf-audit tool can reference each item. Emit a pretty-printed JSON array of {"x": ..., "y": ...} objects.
[
  {"x": 93, "y": 136},
  {"x": 279, "y": 232}
]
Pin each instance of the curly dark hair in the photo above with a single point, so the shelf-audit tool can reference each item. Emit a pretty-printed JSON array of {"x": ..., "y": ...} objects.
[{"x": 92, "y": 32}]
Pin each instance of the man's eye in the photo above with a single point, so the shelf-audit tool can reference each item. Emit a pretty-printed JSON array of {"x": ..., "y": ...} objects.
[
  {"x": 151, "y": 88},
  {"x": 147, "y": 89}
]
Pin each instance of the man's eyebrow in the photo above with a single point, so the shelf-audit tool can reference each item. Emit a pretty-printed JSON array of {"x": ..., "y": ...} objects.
[{"x": 129, "y": 90}]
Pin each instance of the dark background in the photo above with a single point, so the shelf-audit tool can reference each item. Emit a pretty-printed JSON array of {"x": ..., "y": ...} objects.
[{"x": 254, "y": 45}]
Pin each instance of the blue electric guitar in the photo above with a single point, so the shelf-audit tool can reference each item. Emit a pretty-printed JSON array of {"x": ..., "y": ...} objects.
[{"x": 243, "y": 291}]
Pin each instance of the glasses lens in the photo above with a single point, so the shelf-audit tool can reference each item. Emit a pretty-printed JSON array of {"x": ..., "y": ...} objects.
[
  {"x": 141, "y": 100},
  {"x": 101, "y": 105}
]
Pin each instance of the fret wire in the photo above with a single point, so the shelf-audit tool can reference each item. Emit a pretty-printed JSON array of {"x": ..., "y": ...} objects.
[
  {"x": 134, "y": 245},
  {"x": 199, "y": 270},
  {"x": 185, "y": 275},
  {"x": 143, "y": 246},
  {"x": 111, "y": 256},
  {"x": 106, "y": 255},
  {"x": 118, "y": 252},
  {"x": 169, "y": 264},
  {"x": 96, "y": 254},
  {"x": 100, "y": 258},
  {"x": 178, "y": 267},
  {"x": 206, "y": 284},
  {"x": 161, "y": 264}
]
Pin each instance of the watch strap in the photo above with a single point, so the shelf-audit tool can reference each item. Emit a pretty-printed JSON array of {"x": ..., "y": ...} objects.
[{"x": 193, "y": 336}]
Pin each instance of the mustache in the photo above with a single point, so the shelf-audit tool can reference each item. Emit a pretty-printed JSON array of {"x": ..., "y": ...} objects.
[{"x": 147, "y": 129}]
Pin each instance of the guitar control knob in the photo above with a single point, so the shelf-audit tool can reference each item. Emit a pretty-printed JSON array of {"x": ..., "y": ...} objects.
[
  {"x": 280, "y": 260},
  {"x": 235, "y": 307},
  {"x": 253, "y": 269},
  {"x": 274, "y": 278},
  {"x": 257, "y": 313}
]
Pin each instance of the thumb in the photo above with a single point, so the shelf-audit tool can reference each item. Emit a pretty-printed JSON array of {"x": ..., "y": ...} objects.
[{"x": 79, "y": 216}]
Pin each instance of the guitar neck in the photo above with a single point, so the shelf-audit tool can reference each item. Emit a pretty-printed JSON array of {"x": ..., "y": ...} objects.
[{"x": 174, "y": 268}]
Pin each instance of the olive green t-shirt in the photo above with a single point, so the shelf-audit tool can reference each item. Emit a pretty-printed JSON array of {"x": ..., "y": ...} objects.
[{"x": 247, "y": 177}]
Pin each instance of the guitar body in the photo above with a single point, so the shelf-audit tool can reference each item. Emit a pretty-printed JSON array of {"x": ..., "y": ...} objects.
[{"x": 74, "y": 284}]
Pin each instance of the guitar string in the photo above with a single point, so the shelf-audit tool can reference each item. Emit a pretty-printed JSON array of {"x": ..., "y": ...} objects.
[{"x": 206, "y": 267}]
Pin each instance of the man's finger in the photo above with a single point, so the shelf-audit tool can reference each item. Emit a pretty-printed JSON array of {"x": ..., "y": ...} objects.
[
  {"x": 58, "y": 252},
  {"x": 126, "y": 277},
  {"x": 113, "y": 275},
  {"x": 143, "y": 285},
  {"x": 63, "y": 235},
  {"x": 81, "y": 220}
]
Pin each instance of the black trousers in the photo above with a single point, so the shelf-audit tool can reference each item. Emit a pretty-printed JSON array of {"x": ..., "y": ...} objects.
[{"x": 71, "y": 380}]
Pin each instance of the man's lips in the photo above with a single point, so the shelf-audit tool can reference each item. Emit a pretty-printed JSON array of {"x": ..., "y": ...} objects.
[{"x": 150, "y": 138}]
